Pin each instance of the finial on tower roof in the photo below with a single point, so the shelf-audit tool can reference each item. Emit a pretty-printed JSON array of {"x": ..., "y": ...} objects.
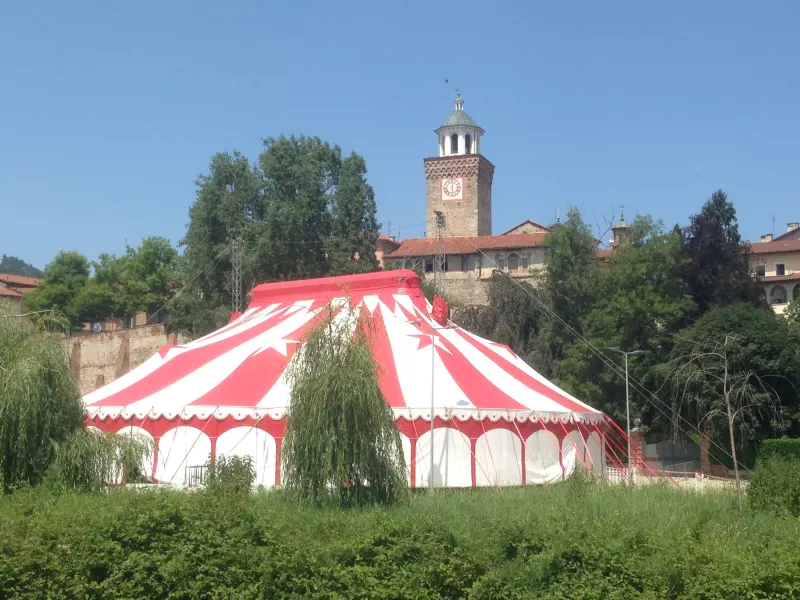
[{"x": 459, "y": 101}]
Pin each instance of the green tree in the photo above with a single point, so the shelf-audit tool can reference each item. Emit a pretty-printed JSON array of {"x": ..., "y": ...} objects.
[
  {"x": 761, "y": 349},
  {"x": 717, "y": 270},
  {"x": 147, "y": 276},
  {"x": 572, "y": 271},
  {"x": 341, "y": 444},
  {"x": 303, "y": 212},
  {"x": 65, "y": 278},
  {"x": 39, "y": 400},
  {"x": 641, "y": 302},
  {"x": 354, "y": 228},
  {"x": 229, "y": 202}
]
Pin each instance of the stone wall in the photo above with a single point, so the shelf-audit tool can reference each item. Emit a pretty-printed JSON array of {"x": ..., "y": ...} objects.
[
  {"x": 97, "y": 359},
  {"x": 468, "y": 288}
]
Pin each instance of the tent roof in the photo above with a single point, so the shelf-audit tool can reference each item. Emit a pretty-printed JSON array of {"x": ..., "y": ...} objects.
[{"x": 239, "y": 370}]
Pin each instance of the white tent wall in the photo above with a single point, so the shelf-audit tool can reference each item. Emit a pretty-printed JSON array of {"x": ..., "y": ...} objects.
[{"x": 495, "y": 457}]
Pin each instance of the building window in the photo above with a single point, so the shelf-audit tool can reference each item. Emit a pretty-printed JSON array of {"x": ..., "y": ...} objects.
[
  {"x": 409, "y": 265},
  {"x": 524, "y": 261},
  {"x": 467, "y": 144},
  {"x": 465, "y": 264},
  {"x": 454, "y": 144},
  {"x": 777, "y": 295},
  {"x": 796, "y": 292},
  {"x": 429, "y": 265},
  {"x": 513, "y": 262},
  {"x": 500, "y": 262},
  {"x": 780, "y": 270},
  {"x": 761, "y": 270}
]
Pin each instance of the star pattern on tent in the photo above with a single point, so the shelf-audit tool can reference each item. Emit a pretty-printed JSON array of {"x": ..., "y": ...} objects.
[{"x": 425, "y": 340}]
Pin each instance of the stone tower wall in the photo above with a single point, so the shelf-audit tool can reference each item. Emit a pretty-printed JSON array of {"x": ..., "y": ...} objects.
[{"x": 471, "y": 217}]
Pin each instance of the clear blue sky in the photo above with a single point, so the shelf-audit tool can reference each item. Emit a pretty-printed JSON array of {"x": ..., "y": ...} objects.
[{"x": 109, "y": 110}]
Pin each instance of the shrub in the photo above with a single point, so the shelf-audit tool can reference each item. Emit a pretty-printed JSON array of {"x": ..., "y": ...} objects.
[
  {"x": 775, "y": 486},
  {"x": 788, "y": 448},
  {"x": 90, "y": 459},
  {"x": 615, "y": 543},
  {"x": 230, "y": 474}
]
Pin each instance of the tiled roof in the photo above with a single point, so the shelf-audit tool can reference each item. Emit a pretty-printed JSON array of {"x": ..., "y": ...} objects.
[
  {"x": 9, "y": 293},
  {"x": 780, "y": 278},
  {"x": 775, "y": 247},
  {"x": 468, "y": 245},
  {"x": 525, "y": 222},
  {"x": 785, "y": 234},
  {"x": 19, "y": 280}
]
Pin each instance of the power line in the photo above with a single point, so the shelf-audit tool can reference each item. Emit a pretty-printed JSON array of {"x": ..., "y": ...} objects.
[{"x": 607, "y": 361}]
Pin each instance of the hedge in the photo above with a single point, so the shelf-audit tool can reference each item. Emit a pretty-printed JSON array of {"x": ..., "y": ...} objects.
[
  {"x": 788, "y": 448},
  {"x": 775, "y": 486},
  {"x": 576, "y": 541}
]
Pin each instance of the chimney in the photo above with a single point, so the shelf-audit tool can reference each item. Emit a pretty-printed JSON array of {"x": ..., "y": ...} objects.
[
  {"x": 767, "y": 237},
  {"x": 792, "y": 226}
]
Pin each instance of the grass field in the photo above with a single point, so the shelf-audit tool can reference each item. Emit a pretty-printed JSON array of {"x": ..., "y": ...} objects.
[{"x": 574, "y": 540}]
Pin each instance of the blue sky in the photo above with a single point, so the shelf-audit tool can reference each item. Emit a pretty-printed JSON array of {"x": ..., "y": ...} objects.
[{"x": 109, "y": 110}]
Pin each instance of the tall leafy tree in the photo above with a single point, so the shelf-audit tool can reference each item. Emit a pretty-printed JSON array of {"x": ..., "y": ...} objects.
[
  {"x": 572, "y": 270},
  {"x": 302, "y": 212},
  {"x": 717, "y": 269},
  {"x": 65, "y": 277},
  {"x": 229, "y": 203},
  {"x": 147, "y": 276},
  {"x": 354, "y": 228},
  {"x": 641, "y": 302}
]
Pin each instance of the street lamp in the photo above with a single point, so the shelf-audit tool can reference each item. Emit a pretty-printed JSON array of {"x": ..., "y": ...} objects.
[
  {"x": 627, "y": 399},
  {"x": 433, "y": 371}
]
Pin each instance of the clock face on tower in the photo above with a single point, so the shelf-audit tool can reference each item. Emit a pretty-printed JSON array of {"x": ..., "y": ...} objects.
[{"x": 453, "y": 189}]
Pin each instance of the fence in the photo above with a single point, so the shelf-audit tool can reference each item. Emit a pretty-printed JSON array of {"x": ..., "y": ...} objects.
[{"x": 675, "y": 458}]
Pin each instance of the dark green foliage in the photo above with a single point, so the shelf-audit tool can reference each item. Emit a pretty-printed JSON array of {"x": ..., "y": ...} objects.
[
  {"x": 64, "y": 278},
  {"x": 614, "y": 543},
  {"x": 39, "y": 400},
  {"x": 143, "y": 279},
  {"x": 341, "y": 442},
  {"x": 512, "y": 317},
  {"x": 12, "y": 265},
  {"x": 717, "y": 271},
  {"x": 354, "y": 228},
  {"x": 572, "y": 271},
  {"x": 785, "y": 448},
  {"x": 762, "y": 347},
  {"x": 641, "y": 301},
  {"x": 775, "y": 485},
  {"x": 230, "y": 474}
]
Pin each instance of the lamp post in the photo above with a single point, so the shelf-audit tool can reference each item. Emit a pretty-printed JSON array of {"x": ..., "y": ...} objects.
[{"x": 627, "y": 399}]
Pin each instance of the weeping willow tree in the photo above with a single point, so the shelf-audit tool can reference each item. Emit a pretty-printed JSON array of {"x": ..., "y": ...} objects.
[
  {"x": 39, "y": 399},
  {"x": 341, "y": 444},
  {"x": 42, "y": 415}
]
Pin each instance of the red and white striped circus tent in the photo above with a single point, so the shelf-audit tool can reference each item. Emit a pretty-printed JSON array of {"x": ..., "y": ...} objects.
[{"x": 496, "y": 420}]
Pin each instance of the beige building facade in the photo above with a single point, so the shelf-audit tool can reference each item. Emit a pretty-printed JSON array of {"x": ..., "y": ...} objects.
[{"x": 775, "y": 262}]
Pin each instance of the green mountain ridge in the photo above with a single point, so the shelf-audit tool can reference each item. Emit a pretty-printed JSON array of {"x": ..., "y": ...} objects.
[{"x": 11, "y": 265}]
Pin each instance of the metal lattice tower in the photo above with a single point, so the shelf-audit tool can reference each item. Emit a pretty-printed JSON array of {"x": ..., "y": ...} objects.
[
  {"x": 440, "y": 258},
  {"x": 237, "y": 252}
]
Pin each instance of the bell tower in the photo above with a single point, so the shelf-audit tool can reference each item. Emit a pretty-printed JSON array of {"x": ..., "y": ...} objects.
[{"x": 460, "y": 178}]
